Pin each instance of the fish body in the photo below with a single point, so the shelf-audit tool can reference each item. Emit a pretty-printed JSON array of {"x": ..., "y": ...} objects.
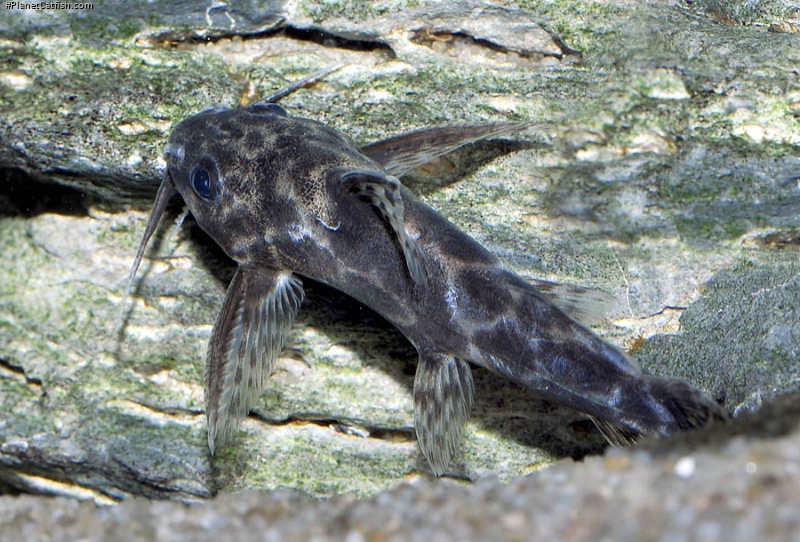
[{"x": 288, "y": 197}]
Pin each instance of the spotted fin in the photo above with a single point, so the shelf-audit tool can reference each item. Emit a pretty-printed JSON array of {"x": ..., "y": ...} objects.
[
  {"x": 259, "y": 310},
  {"x": 400, "y": 154},
  {"x": 383, "y": 191},
  {"x": 443, "y": 392}
]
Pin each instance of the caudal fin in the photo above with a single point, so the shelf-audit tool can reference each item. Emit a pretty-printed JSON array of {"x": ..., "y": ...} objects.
[
  {"x": 686, "y": 408},
  {"x": 689, "y": 406}
]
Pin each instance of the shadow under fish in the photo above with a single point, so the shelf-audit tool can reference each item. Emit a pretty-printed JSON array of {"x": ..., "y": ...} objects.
[{"x": 288, "y": 197}]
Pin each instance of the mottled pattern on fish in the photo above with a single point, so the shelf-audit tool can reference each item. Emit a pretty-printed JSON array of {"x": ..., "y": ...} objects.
[{"x": 288, "y": 197}]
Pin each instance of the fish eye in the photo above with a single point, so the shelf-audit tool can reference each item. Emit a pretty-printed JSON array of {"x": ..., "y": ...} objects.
[
  {"x": 203, "y": 182},
  {"x": 269, "y": 109}
]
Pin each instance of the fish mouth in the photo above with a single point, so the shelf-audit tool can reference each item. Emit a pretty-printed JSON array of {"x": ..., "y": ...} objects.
[{"x": 166, "y": 191}]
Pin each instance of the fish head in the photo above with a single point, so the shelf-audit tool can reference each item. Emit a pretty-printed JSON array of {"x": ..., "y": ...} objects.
[
  {"x": 251, "y": 175},
  {"x": 226, "y": 166},
  {"x": 203, "y": 165},
  {"x": 255, "y": 176}
]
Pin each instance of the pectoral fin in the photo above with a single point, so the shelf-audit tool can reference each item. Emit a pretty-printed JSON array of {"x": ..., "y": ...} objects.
[
  {"x": 384, "y": 193},
  {"x": 443, "y": 391},
  {"x": 400, "y": 154},
  {"x": 259, "y": 310}
]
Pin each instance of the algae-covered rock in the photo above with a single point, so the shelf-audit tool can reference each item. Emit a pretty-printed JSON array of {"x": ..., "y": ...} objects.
[{"x": 664, "y": 154}]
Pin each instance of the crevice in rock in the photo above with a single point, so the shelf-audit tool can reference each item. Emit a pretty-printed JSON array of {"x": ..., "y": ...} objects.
[
  {"x": 25, "y": 195},
  {"x": 170, "y": 411},
  {"x": 430, "y": 38},
  {"x": 782, "y": 240},
  {"x": 52, "y": 483},
  {"x": 327, "y": 38},
  {"x": 346, "y": 426},
  {"x": 342, "y": 425},
  {"x": 447, "y": 40},
  {"x": 320, "y": 36},
  {"x": 566, "y": 50},
  {"x": 19, "y": 370},
  {"x": 665, "y": 309}
]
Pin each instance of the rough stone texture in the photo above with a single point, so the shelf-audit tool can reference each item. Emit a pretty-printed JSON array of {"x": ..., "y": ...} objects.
[
  {"x": 651, "y": 493},
  {"x": 663, "y": 169}
]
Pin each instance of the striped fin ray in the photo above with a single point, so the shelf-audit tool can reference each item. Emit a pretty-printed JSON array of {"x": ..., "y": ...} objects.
[
  {"x": 443, "y": 397},
  {"x": 259, "y": 310},
  {"x": 384, "y": 193}
]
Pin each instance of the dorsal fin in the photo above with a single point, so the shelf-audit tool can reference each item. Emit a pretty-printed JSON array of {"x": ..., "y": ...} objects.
[{"x": 400, "y": 154}]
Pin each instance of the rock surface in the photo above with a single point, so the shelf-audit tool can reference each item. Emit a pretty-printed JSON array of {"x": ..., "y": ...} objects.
[
  {"x": 646, "y": 494},
  {"x": 663, "y": 169}
]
